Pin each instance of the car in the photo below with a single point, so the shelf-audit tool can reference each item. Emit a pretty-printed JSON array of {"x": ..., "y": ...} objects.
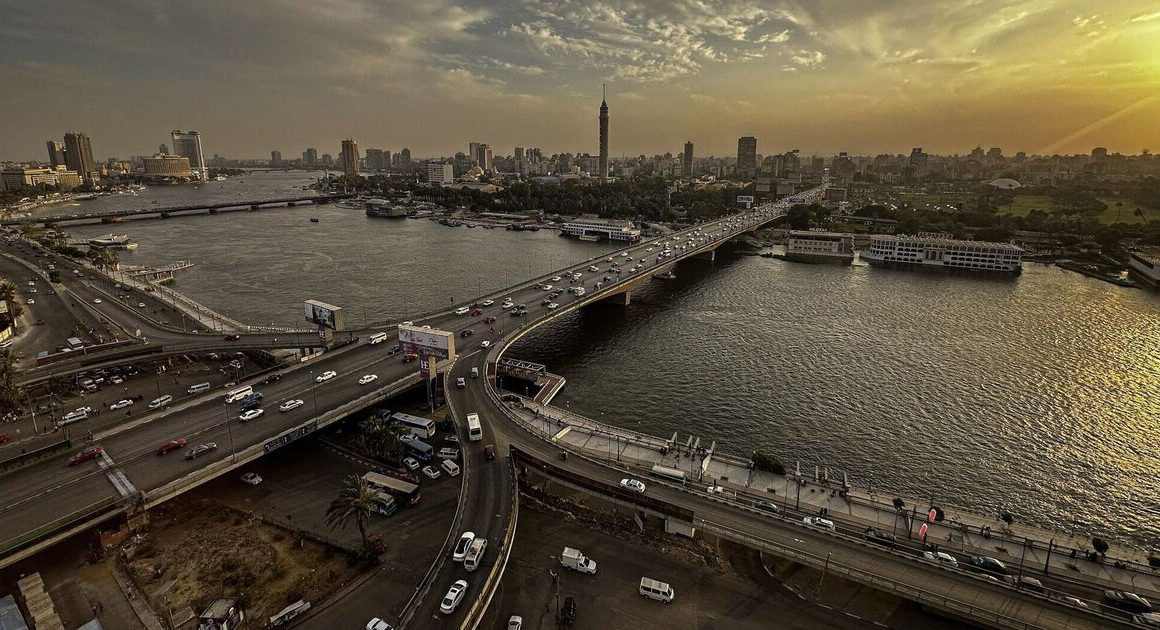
[
  {"x": 485, "y": 344},
  {"x": 5, "y": 438},
  {"x": 410, "y": 356},
  {"x": 251, "y": 414},
  {"x": 453, "y": 439},
  {"x": 553, "y": 306},
  {"x": 466, "y": 332},
  {"x": 941, "y": 557},
  {"x": 200, "y": 449},
  {"x": 251, "y": 478},
  {"x": 1127, "y": 601},
  {"x": 715, "y": 490},
  {"x": 545, "y": 301},
  {"x": 461, "y": 547},
  {"x": 987, "y": 564},
  {"x": 767, "y": 506},
  {"x": 463, "y": 310},
  {"x": 325, "y": 376},
  {"x": 453, "y": 597},
  {"x": 817, "y": 521},
  {"x": 378, "y": 624},
  {"x": 411, "y": 463},
  {"x": 487, "y": 303},
  {"x": 31, "y": 301},
  {"x": 234, "y": 337},
  {"x": 171, "y": 445},
  {"x": 121, "y": 404},
  {"x": 461, "y": 382},
  {"x": 140, "y": 305},
  {"x": 568, "y": 612},
  {"x": 634, "y": 485},
  {"x": 489, "y": 320},
  {"x": 548, "y": 287},
  {"x": 556, "y": 278},
  {"x": 1148, "y": 620},
  {"x": 1071, "y": 601},
  {"x": 431, "y": 472},
  {"x": 291, "y": 405},
  {"x": 96, "y": 300},
  {"x": 879, "y": 537},
  {"x": 515, "y": 622},
  {"x": 477, "y": 311},
  {"x": 85, "y": 455},
  {"x": 1027, "y": 583},
  {"x": 368, "y": 378}
]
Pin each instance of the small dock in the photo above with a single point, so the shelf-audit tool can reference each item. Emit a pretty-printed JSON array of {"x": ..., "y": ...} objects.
[
  {"x": 156, "y": 275},
  {"x": 548, "y": 384}
]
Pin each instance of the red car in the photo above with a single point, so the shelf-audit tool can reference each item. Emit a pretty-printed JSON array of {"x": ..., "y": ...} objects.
[
  {"x": 407, "y": 358},
  {"x": 402, "y": 474},
  {"x": 233, "y": 337},
  {"x": 5, "y": 438},
  {"x": 85, "y": 455},
  {"x": 171, "y": 445},
  {"x": 487, "y": 321},
  {"x": 477, "y": 312}
]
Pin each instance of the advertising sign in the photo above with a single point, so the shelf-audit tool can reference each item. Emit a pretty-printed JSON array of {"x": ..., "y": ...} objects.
[
  {"x": 428, "y": 367},
  {"x": 744, "y": 198},
  {"x": 324, "y": 315},
  {"x": 427, "y": 342}
]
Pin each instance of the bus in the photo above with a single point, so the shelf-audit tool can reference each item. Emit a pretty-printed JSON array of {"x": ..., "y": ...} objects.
[
  {"x": 378, "y": 337},
  {"x": 404, "y": 492},
  {"x": 672, "y": 474},
  {"x": 418, "y": 449},
  {"x": 419, "y": 427},
  {"x": 235, "y": 395},
  {"x": 474, "y": 431}
]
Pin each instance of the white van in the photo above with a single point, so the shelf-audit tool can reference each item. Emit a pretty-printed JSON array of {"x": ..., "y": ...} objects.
[
  {"x": 475, "y": 554},
  {"x": 197, "y": 389},
  {"x": 474, "y": 372},
  {"x": 653, "y": 589},
  {"x": 235, "y": 395},
  {"x": 378, "y": 337},
  {"x": 161, "y": 402},
  {"x": 450, "y": 467}
]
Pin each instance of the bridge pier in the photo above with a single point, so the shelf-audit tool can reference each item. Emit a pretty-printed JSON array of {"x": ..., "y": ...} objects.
[
  {"x": 710, "y": 255},
  {"x": 254, "y": 207},
  {"x": 213, "y": 210},
  {"x": 622, "y": 299}
]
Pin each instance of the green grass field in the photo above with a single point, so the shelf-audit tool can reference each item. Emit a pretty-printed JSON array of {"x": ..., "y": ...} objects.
[{"x": 1127, "y": 212}]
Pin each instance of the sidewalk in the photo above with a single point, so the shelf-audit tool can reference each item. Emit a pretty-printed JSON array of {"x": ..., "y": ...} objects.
[{"x": 961, "y": 530}]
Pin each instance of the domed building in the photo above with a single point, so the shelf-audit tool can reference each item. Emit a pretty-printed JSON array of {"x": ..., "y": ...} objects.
[{"x": 1006, "y": 183}]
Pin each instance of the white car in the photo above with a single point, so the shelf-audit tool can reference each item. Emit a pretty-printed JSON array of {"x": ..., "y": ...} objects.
[
  {"x": 411, "y": 463},
  {"x": 96, "y": 300},
  {"x": 461, "y": 547},
  {"x": 252, "y": 414},
  {"x": 462, "y": 310},
  {"x": 140, "y": 305},
  {"x": 555, "y": 278},
  {"x": 31, "y": 301},
  {"x": 431, "y": 472},
  {"x": 632, "y": 484},
  {"x": 291, "y": 405},
  {"x": 553, "y": 306},
  {"x": 515, "y": 623},
  {"x": 121, "y": 404},
  {"x": 407, "y": 323},
  {"x": 251, "y": 478},
  {"x": 379, "y": 624},
  {"x": 325, "y": 376},
  {"x": 485, "y": 344},
  {"x": 368, "y": 378},
  {"x": 942, "y": 557},
  {"x": 817, "y": 521},
  {"x": 548, "y": 287},
  {"x": 487, "y": 303},
  {"x": 715, "y": 490},
  {"x": 453, "y": 597}
]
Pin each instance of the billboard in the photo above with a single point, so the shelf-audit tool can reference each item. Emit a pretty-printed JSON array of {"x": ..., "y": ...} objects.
[
  {"x": 324, "y": 315},
  {"x": 427, "y": 342}
]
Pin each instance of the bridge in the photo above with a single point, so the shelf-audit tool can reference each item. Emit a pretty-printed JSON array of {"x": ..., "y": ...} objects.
[
  {"x": 210, "y": 208},
  {"x": 46, "y": 502}
]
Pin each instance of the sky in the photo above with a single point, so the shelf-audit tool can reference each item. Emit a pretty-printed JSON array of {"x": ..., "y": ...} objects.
[{"x": 863, "y": 76}]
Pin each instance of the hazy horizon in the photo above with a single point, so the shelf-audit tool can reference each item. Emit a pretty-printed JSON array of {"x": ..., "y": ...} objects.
[{"x": 1040, "y": 76}]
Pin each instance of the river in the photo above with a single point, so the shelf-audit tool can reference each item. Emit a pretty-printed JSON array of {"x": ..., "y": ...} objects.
[{"x": 1038, "y": 395}]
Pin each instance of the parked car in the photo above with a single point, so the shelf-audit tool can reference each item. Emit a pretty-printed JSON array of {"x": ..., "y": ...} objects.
[
  {"x": 515, "y": 622},
  {"x": 1026, "y": 582},
  {"x": 767, "y": 506},
  {"x": 251, "y": 478},
  {"x": 411, "y": 463},
  {"x": 715, "y": 490},
  {"x": 987, "y": 564},
  {"x": 431, "y": 472},
  {"x": 171, "y": 445},
  {"x": 200, "y": 449},
  {"x": 85, "y": 455},
  {"x": 233, "y": 337},
  {"x": 633, "y": 485},
  {"x": 379, "y": 624}
]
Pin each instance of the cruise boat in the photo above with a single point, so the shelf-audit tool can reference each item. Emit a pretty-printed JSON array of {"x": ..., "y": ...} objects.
[
  {"x": 939, "y": 252},
  {"x": 384, "y": 208},
  {"x": 819, "y": 247},
  {"x": 588, "y": 228},
  {"x": 113, "y": 241}
]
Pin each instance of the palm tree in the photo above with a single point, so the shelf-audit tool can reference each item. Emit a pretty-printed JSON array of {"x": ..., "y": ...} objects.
[
  {"x": 11, "y": 394},
  {"x": 1140, "y": 213},
  {"x": 355, "y": 502}
]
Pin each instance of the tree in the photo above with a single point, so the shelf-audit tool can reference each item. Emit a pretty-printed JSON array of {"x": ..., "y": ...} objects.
[
  {"x": 1007, "y": 518},
  {"x": 899, "y": 503},
  {"x": 103, "y": 258},
  {"x": 380, "y": 439},
  {"x": 1100, "y": 545},
  {"x": 355, "y": 502},
  {"x": 11, "y": 394},
  {"x": 767, "y": 463}
]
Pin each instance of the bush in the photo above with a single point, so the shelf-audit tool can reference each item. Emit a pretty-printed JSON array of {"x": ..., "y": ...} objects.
[
  {"x": 1007, "y": 518},
  {"x": 768, "y": 463}
]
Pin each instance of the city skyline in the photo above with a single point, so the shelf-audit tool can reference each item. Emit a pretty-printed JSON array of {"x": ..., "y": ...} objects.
[{"x": 1034, "y": 76}]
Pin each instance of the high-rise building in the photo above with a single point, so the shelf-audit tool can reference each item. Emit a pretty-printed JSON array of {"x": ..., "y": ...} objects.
[
  {"x": 350, "y": 156},
  {"x": 187, "y": 144},
  {"x": 603, "y": 166},
  {"x": 375, "y": 160},
  {"x": 687, "y": 161},
  {"x": 520, "y": 161},
  {"x": 275, "y": 157},
  {"x": 405, "y": 157},
  {"x": 440, "y": 173},
  {"x": 747, "y": 156},
  {"x": 162, "y": 166},
  {"x": 79, "y": 153},
  {"x": 1099, "y": 153},
  {"x": 310, "y": 156},
  {"x": 328, "y": 160},
  {"x": 56, "y": 154},
  {"x": 480, "y": 153}
]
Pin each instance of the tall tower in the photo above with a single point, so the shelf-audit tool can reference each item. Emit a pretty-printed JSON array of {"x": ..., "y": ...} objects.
[
  {"x": 350, "y": 157},
  {"x": 188, "y": 145},
  {"x": 687, "y": 162},
  {"x": 603, "y": 134},
  {"x": 78, "y": 151},
  {"x": 56, "y": 154}
]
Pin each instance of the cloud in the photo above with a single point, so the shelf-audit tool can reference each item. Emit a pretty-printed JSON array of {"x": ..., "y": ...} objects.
[
  {"x": 808, "y": 58},
  {"x": 1147, "y": 17}
]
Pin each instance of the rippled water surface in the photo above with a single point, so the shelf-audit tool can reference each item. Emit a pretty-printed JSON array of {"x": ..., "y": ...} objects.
[{"x": 1038, "y": 395}]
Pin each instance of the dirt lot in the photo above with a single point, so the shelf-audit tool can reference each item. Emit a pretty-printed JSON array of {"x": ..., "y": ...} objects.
[{"x": 208, "y": 550}]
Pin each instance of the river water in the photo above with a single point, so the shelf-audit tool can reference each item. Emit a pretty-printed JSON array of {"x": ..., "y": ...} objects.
[{"x": 1038, "y": 395}]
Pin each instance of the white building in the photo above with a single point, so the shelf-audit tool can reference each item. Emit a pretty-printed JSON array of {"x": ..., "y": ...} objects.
[
  {"x": 440, "y": 174},
  {"x": 596, "y": 229},
  {"x": 820, "y": 247},
  {"x": 936, "y": 251}
]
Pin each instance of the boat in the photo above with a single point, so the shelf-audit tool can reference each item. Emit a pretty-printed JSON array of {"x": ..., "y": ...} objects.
[
  {"x": 819, "y": 247},
  {"x": 385, "y": 209},
  {"x": 592, "y": 238},
  {"x": 590, "y": 228},
  {"x": 668, "y": 275},
  {"x": 940, "y": 252},
  {"x": 113, "y": 241},
  {"x": 314, "y": 219}
]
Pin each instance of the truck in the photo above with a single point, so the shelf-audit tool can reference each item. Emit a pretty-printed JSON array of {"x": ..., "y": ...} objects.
[{"x": 577, "y": 561}]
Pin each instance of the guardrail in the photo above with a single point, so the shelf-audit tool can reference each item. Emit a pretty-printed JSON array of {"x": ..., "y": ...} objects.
[{"x": 31, "y": 537}]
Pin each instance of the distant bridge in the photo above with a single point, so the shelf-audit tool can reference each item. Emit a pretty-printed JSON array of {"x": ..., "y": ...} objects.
[{"x": 111, "y": 216}]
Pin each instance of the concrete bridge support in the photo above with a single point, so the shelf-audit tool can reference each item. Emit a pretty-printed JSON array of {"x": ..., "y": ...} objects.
[
  {"x": 621, "y": 299},
  {"x": 710, "y": 255}
]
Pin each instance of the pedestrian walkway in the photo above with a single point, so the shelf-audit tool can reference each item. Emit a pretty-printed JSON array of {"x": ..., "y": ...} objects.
[{"x": 812, "y": 491}]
